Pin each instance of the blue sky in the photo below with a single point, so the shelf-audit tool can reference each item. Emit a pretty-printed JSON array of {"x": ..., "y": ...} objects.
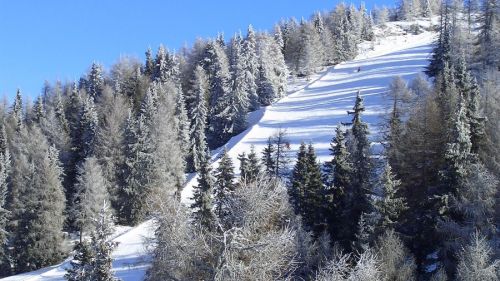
[{"x": 58, "y": 39}]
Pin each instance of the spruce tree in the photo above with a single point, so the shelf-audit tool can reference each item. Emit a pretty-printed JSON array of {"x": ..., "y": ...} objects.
[
  {"x": 80, "y": 263},
  {"x": 314, "y": 193},
  {"x": 239, "y": 87},
  {"x": 360, "y": 149},
  {"x": 95, "y": 81},
  {"x": 199, "y": 111},
  {"x": 251, "y": 68},
  {"x": 299, "y": 180},
  {"x": 149, "y": 64},
  {"x": 216, "y": 64},
  {"x": 5, "y": 266},
  {"x": 202, "y": 197},
  {"x": 224, "y": 185},
  {"x": 391, "y": 205},
  {"x": 38, "y": 209},
  {"x": 17, "y": 111},
  {"x": 90, "y": 192},
  {"x": 102, "y": 247},
  {"x": 267, "y": 157},
  {"x": 254, "y": 166}
]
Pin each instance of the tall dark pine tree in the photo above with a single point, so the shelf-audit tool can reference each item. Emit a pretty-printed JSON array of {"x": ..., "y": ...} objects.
[
  {"x": 249, "y": 165},
  {"x": 224, "y": 185},
  {"x": 202, "y": 198},
  {"x": 338, "y": 176},
  {"x": 354, "y": 198},
  {"x": 359, "y": 149},
  {"x": 299, "y": 180},
  {"x": 314, "y": 193},
  {"x": 267, "y": 157}
]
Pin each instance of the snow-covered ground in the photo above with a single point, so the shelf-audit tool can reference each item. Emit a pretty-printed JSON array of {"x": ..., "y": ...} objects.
[{"x": 309, "y": 113}]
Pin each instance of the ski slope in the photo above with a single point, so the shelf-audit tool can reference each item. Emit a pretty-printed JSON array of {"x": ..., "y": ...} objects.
[{"x": 309, "y": 113}]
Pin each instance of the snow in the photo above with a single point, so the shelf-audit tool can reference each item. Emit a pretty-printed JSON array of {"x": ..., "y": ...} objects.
[
  {"x": 313, "y": 108},
  {"x": 309, "y": 113}
]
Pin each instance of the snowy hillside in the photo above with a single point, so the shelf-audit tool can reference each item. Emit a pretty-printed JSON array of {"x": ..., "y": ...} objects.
[{"x": 309, "y": 113}]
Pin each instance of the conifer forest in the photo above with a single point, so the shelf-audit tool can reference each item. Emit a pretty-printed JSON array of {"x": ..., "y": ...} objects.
[{"x": 181, "y": 148}]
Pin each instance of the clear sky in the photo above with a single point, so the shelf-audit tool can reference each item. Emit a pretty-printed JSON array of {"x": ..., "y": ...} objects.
[{"x": 58, "y": 39}]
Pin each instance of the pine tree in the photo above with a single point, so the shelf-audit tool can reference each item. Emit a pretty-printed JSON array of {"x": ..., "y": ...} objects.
[
  {"x": 149, "y": 65},
  {"x": 314, "y": 193},
  {"x": 5, "y": 266},
  {"x": 220, "y": 120},
  {"x": 224, "y": 185},
  {"x": 267, "y": 157},
  {"x": 80, "y": 264},
  {"x": 249, "y": 165},
  {"x": 360, "y": 149},
  {"x": 338, "y": 181},
  {"x": 254, "y": 166},
  {"x": 240, "y": 89},
  {"x": 95, "y": 81},
  {"x": 17, "y": 111},
  {"x": 390, "y": 206},
  {"x": 198, "y": 115},
  {"x": 88, "y": 129},
  {"x": 251, "y": 67},
  {"x": 101, "y": 247},
  {"x": 38, "y": 210},
  {"x": 299, "y": 180},
  {"x": 280, "y": 157},
  {"x": 273, "y": 71},
  {"x": 39, "y": 110},
  {"x": 202, "y": 198},
  {"x": 182, "y": 121},
  {"x": 90, "y": 192}
]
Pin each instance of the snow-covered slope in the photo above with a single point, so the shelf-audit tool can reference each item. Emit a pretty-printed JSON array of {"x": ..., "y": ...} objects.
[{"x": 309, "y": 113}]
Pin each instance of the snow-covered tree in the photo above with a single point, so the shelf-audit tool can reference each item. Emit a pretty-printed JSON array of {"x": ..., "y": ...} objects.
[
  {"x": 202, "y": 197},
  {"x": 95, "y": 81},
  {"x": 476, "y": 261},
  {"x": 5, "y": 166},
  {"x": 251, "y": 68},
  {"x": 198, "y": 114},
  {"x": 272, "y": 70},
  {"x": 224, "y": 185},
  {"x": 239, "y": 85},
  {"x": 37, "y": 209},
  {"x": 90, "y": 192}
]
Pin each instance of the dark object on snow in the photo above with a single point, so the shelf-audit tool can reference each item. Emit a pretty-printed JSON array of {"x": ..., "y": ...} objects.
[{"x": 359, "y": 69}]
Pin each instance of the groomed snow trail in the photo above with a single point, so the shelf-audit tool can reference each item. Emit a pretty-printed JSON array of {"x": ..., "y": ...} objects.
[{"x": 309, "y": 114}]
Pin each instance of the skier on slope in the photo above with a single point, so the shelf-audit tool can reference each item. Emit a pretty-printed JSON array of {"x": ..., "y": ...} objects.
[{"x": 359, "y": 68}]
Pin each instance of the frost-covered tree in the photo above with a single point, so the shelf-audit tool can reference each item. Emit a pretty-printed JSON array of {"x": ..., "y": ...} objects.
[
  {"x": 90, "y": 192},
  {"x": 251, "y": 67},
  {"x": 95, "y": 81},
  {"x": 396, "y": 261},
  {"x": 5, "y": 166},
  {"x": 110, "y": 150},
  {"x": 476, "y": 261},
  {"x": 240, "y": 89},
  {"x": 202, "y": 206},
  {"x": 101, "y": 247},
  {"x": 391, "y": 205},
  {"x": 220, "y": 117},
  {"x": 17, "y": 111},
  {"x": 267, "y": 157},
  {"x": 224, "y": 185},
  {"x": 37, "y": 211},
  {"x": 273, "y": 71},
  {"x": 198, "y": 114}
]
